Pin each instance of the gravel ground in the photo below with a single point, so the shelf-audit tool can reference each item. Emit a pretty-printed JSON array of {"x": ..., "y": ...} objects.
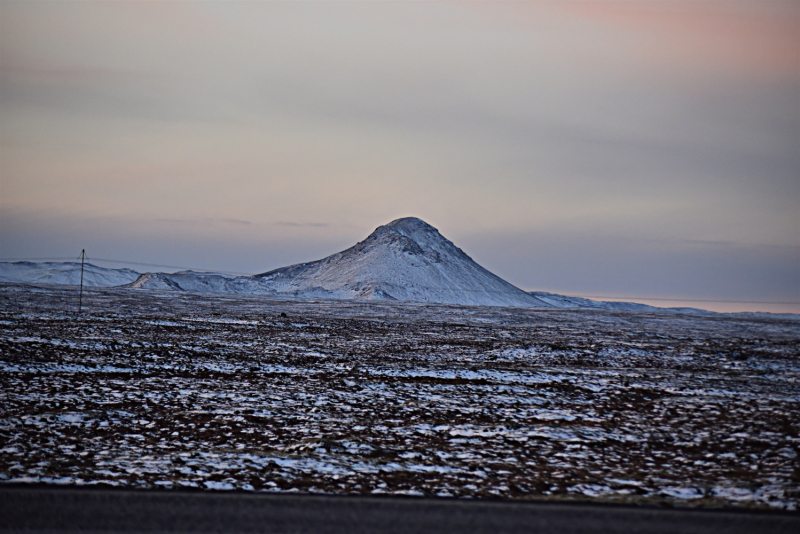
[{"x": 149, "y": 389}]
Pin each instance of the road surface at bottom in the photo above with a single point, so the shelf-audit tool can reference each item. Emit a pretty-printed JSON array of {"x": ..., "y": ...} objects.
[{"x": 36, "y": 509}]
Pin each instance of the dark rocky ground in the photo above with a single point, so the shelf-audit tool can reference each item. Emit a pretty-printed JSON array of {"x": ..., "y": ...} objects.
[{"x": 155, "y": 390}]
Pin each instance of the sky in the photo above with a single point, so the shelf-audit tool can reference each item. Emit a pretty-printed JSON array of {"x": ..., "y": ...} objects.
[{"x": 637, "y": 149}]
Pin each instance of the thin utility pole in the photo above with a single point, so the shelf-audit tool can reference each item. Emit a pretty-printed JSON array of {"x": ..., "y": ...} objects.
[{"x": 80, "y": 295}]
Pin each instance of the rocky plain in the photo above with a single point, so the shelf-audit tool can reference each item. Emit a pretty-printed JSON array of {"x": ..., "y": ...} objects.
[{"x": 150, "y": 389}]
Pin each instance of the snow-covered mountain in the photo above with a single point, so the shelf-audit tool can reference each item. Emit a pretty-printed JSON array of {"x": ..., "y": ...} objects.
[
  {"x": 64, "y": 273},
  {"x": 407, "y": 259}
]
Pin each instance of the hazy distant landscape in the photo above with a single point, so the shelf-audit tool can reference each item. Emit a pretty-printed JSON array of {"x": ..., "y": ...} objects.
[{"x": 406, "y": 260}]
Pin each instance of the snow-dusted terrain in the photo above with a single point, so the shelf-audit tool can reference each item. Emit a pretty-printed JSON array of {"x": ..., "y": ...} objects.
[
  {"x": 64, "y": 273},
  {"x": 194, "y": 282},
  {"x": 165, "y": 389}
]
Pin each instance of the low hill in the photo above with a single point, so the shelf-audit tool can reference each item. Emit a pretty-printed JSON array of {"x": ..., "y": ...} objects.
[{"x": 64, "y": 273}]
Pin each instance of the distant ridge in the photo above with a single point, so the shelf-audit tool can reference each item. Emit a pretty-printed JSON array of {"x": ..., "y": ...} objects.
[
  {"x": 64, "y": 273},
  {"x": 562, "y": 301},
  {"x": 405, "y": 260}
]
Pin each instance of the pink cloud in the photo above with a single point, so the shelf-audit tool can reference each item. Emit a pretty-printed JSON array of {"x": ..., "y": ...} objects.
[
  {"x": 750, "y": 39},
  {"x": 741, "y": 38}
]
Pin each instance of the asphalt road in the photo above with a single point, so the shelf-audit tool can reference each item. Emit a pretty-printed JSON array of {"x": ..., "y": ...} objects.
[{"x": 96, "y": 510}]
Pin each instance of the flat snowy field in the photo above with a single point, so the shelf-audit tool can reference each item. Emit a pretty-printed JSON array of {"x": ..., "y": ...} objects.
[{"x": 175, "y": 390}]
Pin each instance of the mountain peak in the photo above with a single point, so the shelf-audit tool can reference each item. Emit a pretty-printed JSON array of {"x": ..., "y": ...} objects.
[
  {"x": 410, "y": 223},
  {"x": 406, "y": 259},
  {"x": 409, "y": 235},
  {"x": 409, "y": 227}
]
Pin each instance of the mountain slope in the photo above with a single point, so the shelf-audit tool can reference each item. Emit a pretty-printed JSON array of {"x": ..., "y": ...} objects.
[
  {"x": 195, "y": 282},
  {"x": 406, "y": 259}
]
